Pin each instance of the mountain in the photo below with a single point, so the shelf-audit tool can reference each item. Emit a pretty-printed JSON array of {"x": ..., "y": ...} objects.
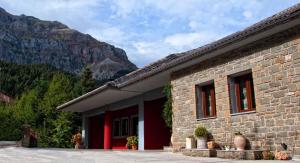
[{"x": 28, "y": 40}]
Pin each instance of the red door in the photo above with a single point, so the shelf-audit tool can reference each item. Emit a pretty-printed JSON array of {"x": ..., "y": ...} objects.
[
  {"x": 157, "y": 134},
  {"x": 96, "y": 129}
]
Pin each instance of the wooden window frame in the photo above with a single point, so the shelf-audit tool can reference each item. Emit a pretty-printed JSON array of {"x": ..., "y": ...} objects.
[
  {"x": 247, "y": 78},
  {"x": 121, "y": 128},
  {"x": 131, "y": 125},
  {"x": 202, "y": 91},
  {"x": 115, "y": 120}
]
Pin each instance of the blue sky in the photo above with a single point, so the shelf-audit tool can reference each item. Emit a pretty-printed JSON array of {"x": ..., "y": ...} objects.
[{"x": 151, "y": 29}]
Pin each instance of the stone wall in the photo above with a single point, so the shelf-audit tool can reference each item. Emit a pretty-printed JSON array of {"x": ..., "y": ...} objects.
[{"x": 275, "y": 65}]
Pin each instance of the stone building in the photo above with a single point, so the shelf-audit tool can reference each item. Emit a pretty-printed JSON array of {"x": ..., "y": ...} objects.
[{"x": 247, "y": 82}]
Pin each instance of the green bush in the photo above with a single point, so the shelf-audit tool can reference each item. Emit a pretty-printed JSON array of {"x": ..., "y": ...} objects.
[
  {"x": 200, "y": 132},
  {"x": 10, "y": 126},
  {"x": 132, "y": 140},
  {"x": 167, "y": 113}
]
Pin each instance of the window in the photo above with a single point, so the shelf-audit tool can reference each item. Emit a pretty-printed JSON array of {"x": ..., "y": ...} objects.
[
  {"x": 116, "y": 128},
  {"x": 206, "y": 102},
  {"x": 242, "y": 93},
  {"x": 124, "y": 130}
]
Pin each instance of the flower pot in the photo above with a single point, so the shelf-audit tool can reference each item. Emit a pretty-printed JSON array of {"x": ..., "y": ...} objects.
[
  {"x": 171, "y": 140},
  {"x": 190, "y": 143},
  {"x": 201, "y": 143},
  {"x": 239, "y": 142},
  {"x": 134, "y": 147},
  {"x": 211, "y": 144}
]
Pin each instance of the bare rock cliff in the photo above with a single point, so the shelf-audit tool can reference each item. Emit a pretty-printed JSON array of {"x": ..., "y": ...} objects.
[{"x": 28, "y": 40}]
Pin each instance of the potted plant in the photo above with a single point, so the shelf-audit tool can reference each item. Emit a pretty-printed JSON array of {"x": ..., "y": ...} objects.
[
  {"x": 239, "y": 141},
  {"x": 201, "y": 135},
  {"x": 132, "y": 141},
  {"x": 227, "y": 147},
  {"x": 281, "y": 155},
  {"x": 211, "y": 144},
  {"x": 190, "y": 142},
  {"x": 77, "y": 139}
]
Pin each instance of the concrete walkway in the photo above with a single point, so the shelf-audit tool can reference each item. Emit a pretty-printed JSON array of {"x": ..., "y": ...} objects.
[{"x": 24, "y": 155}]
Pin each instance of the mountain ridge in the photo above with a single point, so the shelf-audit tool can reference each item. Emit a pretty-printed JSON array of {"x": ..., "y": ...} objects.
[{"x": 29, "y": 40}]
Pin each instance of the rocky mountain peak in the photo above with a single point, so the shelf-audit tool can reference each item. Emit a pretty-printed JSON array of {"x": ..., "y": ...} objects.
[{"x": 29, "y": 40}]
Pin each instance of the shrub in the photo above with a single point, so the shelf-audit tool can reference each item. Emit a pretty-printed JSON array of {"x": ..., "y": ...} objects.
[
  {"x": 200, "y": 132},
  {"x": 132, "y": 140},
  {"x": 167, "y": 111},
  {"x": 238, "y": 133}
]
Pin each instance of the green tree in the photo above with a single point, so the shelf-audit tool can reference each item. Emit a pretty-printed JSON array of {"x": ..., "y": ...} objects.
[
  {"x": 25, "y": 108},
  {"x": 62, "y": 131},
  {"x": 87, "y": 81},
  {"x": 58, "y": 92},
  {"x": 167, "y": 113}
]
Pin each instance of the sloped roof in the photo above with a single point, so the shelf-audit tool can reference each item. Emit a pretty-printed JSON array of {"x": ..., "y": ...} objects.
[{"x": 174, "y": 60}]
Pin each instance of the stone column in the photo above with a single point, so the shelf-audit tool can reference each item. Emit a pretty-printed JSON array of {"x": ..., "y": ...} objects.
[
  {"x": 141, "y": 125},
  {"x": 84, "y": 131}
]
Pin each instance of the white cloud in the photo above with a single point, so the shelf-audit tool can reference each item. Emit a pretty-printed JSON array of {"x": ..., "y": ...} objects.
[
  {"x": 190, "y": 40},
  {"x": 149, "y": 30},
  {"x": 247, "y": 14}
]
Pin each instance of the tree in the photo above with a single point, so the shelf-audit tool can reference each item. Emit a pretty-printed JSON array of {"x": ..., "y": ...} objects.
[
  {"x": 167, "y": 113},
  {"x": 59, "y": 91},
  {"x": 87, "y": 81}
]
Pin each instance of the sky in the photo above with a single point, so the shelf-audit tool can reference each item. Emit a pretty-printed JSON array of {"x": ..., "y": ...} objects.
[{"x": 149, "y": 30}]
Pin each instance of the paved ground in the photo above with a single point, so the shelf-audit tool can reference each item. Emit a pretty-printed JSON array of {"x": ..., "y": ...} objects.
[{"x": 24, "y": 155}]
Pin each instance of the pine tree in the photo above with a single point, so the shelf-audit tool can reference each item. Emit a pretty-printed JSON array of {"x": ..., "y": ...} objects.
[{"x": 87, "y": 81}]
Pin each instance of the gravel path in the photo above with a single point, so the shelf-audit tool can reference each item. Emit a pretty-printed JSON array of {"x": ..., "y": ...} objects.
[{"x": 24, "y": 155}]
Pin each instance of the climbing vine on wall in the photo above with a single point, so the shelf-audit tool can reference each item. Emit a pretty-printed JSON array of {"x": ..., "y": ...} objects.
[{"x": 167, "y": 111}]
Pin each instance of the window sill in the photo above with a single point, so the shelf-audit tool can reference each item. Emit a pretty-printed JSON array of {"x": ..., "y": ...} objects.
[
  {"x": 119, "y": 137},
  {"x": 242, "y": 113},
  {"x": 206, "y": 118}
]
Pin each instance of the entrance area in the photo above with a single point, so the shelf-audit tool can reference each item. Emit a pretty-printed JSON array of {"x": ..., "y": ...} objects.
[
  {"x": 157, "y": 134},
  {"x": 111, "y": 129},
  {"x": 96, "y": 132}
]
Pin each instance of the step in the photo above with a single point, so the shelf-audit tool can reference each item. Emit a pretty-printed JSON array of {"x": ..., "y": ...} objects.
[
  {"x": 8, "y": 144},
  {"x": 296, "y": 158}
]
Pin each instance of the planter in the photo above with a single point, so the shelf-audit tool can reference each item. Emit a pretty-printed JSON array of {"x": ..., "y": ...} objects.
[
  {"x": 190, "y": 143},
  {"x": 239, "y": 142},
  {"x": 211, "y": 144},
  {"x": 77, "y": 146},
  {"x": 172, "y": 140},
  {"x": 134, "y": 147},
  {"x": 201, "y": 143}
]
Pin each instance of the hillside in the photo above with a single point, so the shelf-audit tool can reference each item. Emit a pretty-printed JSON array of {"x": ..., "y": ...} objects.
[{"x": 28, "y": 40}]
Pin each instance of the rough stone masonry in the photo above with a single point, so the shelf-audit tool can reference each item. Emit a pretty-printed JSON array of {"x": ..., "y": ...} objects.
[{"x": 275, "y": 66}]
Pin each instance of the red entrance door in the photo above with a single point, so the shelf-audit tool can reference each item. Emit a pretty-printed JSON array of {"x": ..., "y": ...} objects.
[
  {"x": 157, "y": 134},
  {"x": 96, "y": 135}
]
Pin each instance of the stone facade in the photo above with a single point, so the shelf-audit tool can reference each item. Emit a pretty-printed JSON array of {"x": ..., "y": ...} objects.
[{"x": 275, "y": 66}]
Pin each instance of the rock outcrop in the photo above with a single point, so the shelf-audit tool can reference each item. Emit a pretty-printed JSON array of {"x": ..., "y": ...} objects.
[{"x": 28, "y": 40}]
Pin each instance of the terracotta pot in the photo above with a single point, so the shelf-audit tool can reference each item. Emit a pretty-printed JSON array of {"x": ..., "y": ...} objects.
[
  {"x": 77, "y": 146},
  {"x": 172, "y": 140},
  {"x": 201, "y": 143},
  {"x": 239, "y": 142},
  {"x": 190, "y": 143},
  {"x": 134, "y": 147},
  {"x": 211, "y": 144}
]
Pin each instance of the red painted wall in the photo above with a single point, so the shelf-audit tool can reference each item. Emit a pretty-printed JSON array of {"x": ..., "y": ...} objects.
[
  {"x": 96, "y": 135},
  {"x": 120, "y": 143},
  {"x": 156, "y": 132}
]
